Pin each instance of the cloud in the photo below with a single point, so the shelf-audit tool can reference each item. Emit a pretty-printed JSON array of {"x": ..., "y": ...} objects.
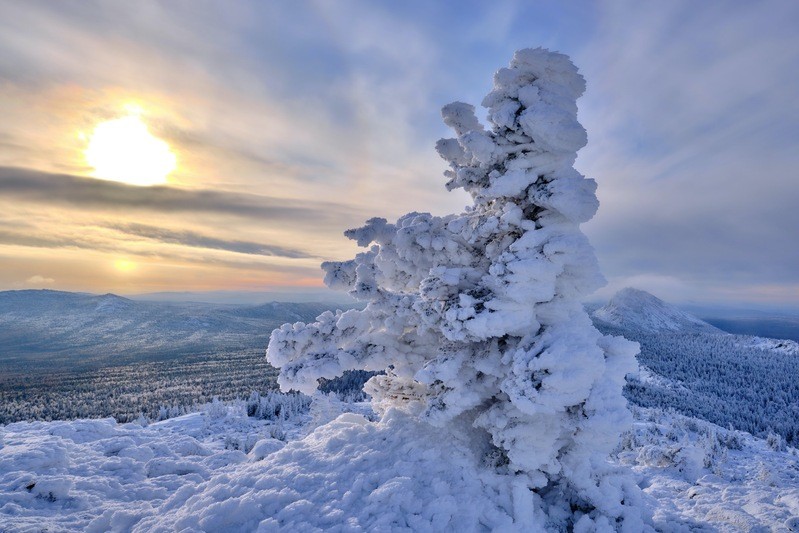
[
  {"x": 333, "y": 99},
  {"x": 86, "y": 257},
  {"x": 690, "y": 112},
  {"x": 39, "y": 280},
  {"x": 197, "y": 240},
  {"x": 42, "y": 187},
  {"x": 182, "y": 238},
  {"x": 16, "y": 238},
  {"x": 692, "y": 137}
]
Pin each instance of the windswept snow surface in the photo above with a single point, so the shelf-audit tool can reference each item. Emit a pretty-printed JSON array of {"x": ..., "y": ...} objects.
[
  {"x": 97, "y": 475},
  {"x": 702, "y": 477},
  {"x": 637, "y": 310},
  {"x": 219, "y": 470},
  {"x": 348, "y": 475}
]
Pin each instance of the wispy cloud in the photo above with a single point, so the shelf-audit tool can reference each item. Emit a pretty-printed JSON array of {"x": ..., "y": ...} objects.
[
  {"x": 108, "y": 244},
  {"x": 293, "y": 121},
  {"x": 691, "y": 117},
  {"x": 197, "y": 240},
  {"x": 181, "y": 256},
  {"x": 39, "y": 280}
]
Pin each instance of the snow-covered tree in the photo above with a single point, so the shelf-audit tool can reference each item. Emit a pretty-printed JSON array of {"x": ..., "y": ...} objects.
[{"x": 475, "y": 319}]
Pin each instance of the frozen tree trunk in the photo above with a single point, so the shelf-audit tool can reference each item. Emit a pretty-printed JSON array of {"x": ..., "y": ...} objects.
[{"x": 476, "y": 318}]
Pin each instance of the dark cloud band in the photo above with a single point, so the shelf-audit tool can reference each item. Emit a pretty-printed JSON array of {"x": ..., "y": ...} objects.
[
  {"x": 48, "y": 188},
  {"x": 31, "y": 241}
]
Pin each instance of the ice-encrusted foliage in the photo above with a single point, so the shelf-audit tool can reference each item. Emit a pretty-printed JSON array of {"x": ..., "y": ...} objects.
[{"x": 476, "y": 319}]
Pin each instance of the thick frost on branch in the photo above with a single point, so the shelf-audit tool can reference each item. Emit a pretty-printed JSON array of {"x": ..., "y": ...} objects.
[{"x": 475, "y": 319}]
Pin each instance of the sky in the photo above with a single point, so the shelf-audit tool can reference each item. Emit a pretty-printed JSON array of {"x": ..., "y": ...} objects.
[{"x": 289, "y": 122}]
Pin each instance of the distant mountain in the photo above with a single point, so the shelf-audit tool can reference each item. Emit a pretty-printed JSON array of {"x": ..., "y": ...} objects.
[
  {"x": 46, "y": 330},
  {"x": 636, "y": 310}
]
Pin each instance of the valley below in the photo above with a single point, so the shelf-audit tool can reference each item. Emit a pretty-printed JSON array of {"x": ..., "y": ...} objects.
[{"x": 66, "y": 355}]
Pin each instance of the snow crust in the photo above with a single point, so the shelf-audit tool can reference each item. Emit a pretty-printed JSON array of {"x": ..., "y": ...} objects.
[
  {"x": 97, "y": 475},
  {"x": 385, "y": 483}
]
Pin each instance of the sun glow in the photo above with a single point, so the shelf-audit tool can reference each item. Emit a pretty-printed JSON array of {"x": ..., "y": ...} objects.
[
  {"x": 124, "y": 150},
  {"x": 124, "y": 265}
]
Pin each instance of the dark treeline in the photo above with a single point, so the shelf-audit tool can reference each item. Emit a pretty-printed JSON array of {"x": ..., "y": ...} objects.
[
  {"x": 129, "y": 391},
  {"x": 161, "y": 390}
]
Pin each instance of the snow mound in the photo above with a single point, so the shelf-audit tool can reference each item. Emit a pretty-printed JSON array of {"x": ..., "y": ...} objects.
[
  {"x": 98, "y": 475},
  {"x": 637, "y": 310},
  {"x": 353, "y": 475}
]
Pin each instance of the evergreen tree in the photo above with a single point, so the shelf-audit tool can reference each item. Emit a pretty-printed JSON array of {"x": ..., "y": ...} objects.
[{"x": 475, "y": 319}]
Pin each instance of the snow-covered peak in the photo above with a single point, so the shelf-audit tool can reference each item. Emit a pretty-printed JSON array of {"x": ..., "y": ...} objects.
[
  {"x": 640, "y": 311},
  {"x": 111, "y": 303}
]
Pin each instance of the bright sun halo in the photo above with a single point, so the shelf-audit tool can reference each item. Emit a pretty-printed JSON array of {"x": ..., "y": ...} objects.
[
  {"x": 124, "y": 150},
  {"x": 124, "y": 265}
]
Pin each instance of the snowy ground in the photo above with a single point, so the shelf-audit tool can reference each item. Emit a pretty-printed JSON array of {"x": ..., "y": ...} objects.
[
  {"x": 705, "y": 478},
  {"x": 97, "y": 475},
  {"x": 219, "y": 470}
]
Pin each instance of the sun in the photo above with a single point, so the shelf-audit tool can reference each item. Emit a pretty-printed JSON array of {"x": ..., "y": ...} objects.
[
  {"x": 124, "y": 150},
  {"x": 125, "y": 265}
]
